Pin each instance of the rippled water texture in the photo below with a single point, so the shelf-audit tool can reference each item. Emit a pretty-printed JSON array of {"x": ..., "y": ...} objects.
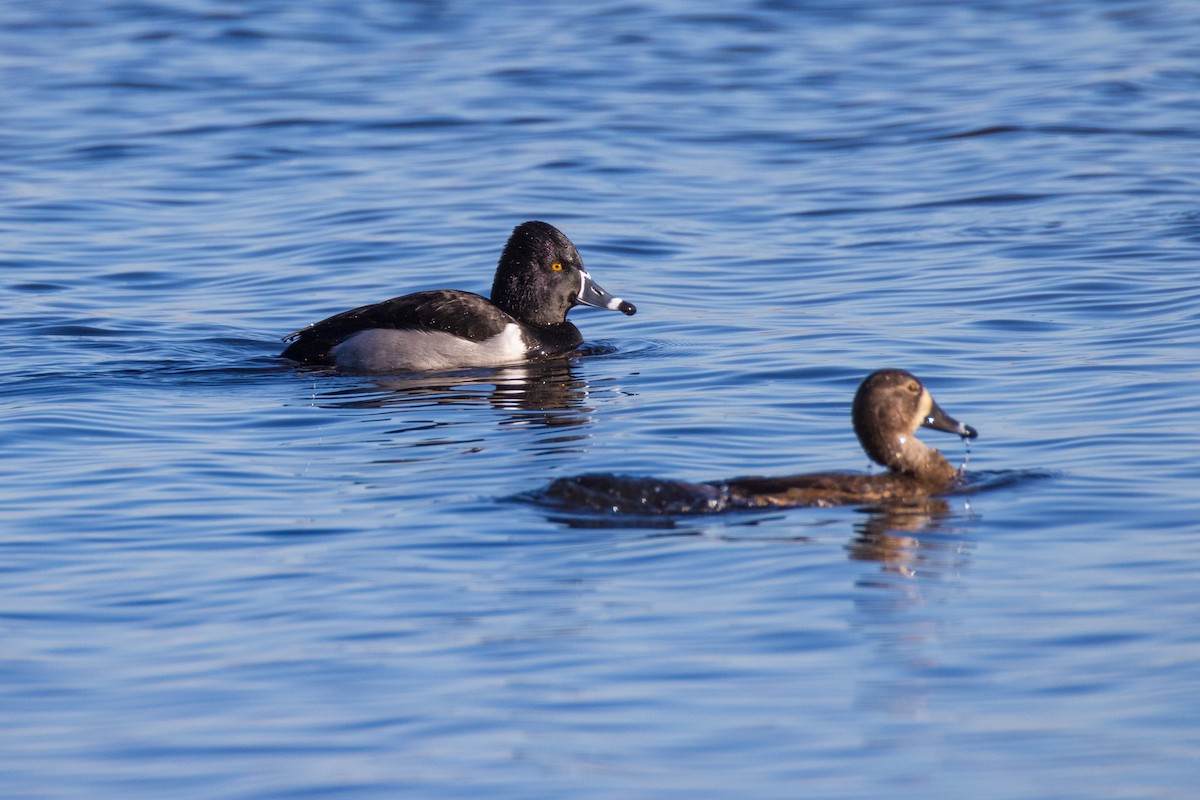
[{"x": 222, "y": 576}]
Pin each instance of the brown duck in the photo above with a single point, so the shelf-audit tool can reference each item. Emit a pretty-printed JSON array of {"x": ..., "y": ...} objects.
[{"x": 889, "y": 407}]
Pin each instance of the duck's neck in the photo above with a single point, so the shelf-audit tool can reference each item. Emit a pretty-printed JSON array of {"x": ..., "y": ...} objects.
[
  {"x": 910, "y": 456},
  {"x": 515, "y": 298}
]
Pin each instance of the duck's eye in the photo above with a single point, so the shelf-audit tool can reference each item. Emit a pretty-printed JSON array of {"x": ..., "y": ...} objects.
[
  {"x": 914, "y": 388},
  {"x": 556, "y": 266}
]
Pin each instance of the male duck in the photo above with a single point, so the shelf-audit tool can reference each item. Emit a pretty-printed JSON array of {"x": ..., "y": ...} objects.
[
  {"x": 539, "y": 278},
  {"x": 888, "y": 408}
]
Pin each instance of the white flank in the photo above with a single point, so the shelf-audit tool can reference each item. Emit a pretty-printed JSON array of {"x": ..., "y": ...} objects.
[{"x": 382, "y": 350}]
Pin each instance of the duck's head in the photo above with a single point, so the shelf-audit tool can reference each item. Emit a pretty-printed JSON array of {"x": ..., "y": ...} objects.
[
  {"x": 890, "y": 406},
  {"x": 541, "y": 276}
]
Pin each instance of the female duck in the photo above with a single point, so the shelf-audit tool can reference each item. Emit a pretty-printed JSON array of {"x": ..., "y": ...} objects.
[
  {"x": 539, "y": 279},
  {"x": 888, "y": 408}
]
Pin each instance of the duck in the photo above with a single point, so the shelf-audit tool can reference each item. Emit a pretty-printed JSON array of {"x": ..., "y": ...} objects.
[
  {"x": 889, "y": 407},
  {"x": 540, "y": 277}
]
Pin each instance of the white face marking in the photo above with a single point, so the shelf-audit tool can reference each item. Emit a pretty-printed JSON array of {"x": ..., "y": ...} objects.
[
  {"x": 611, "y": 305},
  {"x": 924, "y": 406}
]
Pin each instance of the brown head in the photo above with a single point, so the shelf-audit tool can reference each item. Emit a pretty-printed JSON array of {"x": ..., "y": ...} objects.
[{"x": 889, "y": 407}]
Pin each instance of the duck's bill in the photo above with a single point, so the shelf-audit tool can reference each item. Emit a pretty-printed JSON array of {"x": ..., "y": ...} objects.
[
  {"x": 592, "y": 294},
  {"x": 941, "y": 421}
]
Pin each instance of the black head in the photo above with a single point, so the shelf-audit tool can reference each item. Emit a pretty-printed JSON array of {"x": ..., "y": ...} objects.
[
  {"x": 888, "y": 408},
  {"x": 541, "y": 276}
]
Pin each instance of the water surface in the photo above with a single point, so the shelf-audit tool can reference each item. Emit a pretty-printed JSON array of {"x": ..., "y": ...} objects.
[{"x": 222, "y": 576}]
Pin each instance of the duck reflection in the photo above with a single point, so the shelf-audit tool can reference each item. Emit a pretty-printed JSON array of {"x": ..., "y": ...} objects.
[
  {"x": 920, "y": 547},
  {"x": 540, "y": 395},
  {"x": 545, "y": 386},
  {"x": 908, "y": 538},
  {"x": 547, "y": 394}
]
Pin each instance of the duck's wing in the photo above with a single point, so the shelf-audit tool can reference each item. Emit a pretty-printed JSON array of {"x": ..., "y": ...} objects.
[
  {"x": 463, "y": 314},
  {"x": 813, "y": 489},
  {"x": 821, "y": 489}
]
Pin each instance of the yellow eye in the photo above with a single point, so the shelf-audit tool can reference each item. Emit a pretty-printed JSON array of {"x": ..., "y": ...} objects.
[{"x": 556, "y": 266}]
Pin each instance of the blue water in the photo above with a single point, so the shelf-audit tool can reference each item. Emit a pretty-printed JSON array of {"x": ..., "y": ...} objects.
[{"x": 221, "y": 576}]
